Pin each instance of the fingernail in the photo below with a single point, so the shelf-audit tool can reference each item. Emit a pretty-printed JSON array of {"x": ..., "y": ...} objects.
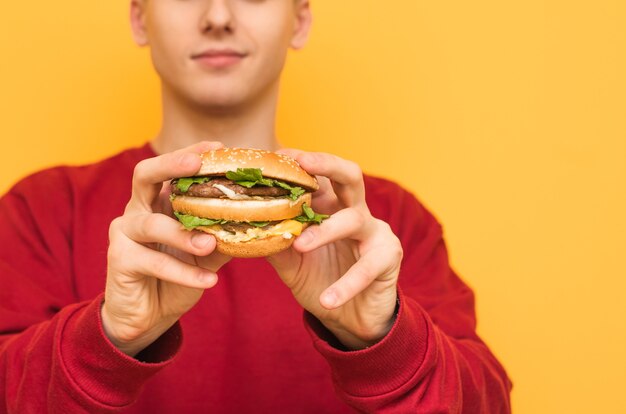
[
  {"x": 306, "y": 238},
  {"x": 207, "y": 278},
  {"x": 330, "y": 299},
  {"x": 200, "y": 240}
]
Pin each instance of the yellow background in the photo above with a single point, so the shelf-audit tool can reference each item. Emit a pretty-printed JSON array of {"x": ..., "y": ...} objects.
[{"x": 508, "y": 117}]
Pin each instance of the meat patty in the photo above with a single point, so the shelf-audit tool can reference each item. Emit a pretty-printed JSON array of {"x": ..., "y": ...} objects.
[
  {"x": 234, "y": 227},
  {"x": 207, "y": 190}
]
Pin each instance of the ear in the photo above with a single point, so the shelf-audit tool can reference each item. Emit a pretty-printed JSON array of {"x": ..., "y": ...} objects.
[
  {"x": 138, "y": 22},
  {"x": 302, "y": 24}
]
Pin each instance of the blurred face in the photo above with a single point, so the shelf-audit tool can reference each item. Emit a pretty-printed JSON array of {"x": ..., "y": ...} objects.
[{"x": 220, "y": 53}]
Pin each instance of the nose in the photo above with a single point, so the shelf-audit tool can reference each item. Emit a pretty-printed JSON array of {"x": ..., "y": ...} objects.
[{"x": 218, "y": 17}]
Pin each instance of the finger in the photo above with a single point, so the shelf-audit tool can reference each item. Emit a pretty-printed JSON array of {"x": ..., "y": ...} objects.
[
  {"x": 348, "y": 223},
  {"x": 345, "y": 176},
  {"x": 214, "y": 261},
  {"x": 158, "y": 228},
  {"x": 284, "y": 262},
  {"x": 162, "y": 203},
  {"x": 290, "y": 152},
  {"x": 320, "y": 163},
  {"x": 170, "y": 269},
  {"x": 150, "y": 173},
  {"x": 325, "y": 200},
  {"x": 135, "y": 260},
  {"x": 377, "y": 263}
]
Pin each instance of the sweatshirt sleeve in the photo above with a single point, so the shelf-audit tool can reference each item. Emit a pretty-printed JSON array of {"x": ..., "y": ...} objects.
[
  {"x": 54, "y": 355},
  {"x": 432, "y": 360}
]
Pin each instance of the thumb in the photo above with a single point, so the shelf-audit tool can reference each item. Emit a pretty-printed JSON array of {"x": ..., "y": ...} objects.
[
  {"x": 286, "y": 264},
  {"x": 213, "y": 262}
]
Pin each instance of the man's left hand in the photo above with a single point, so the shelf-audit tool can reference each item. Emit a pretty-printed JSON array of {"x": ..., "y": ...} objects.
[{"x": 344, "y": 271}]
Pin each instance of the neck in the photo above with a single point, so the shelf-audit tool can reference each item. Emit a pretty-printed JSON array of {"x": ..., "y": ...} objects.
[{"x": 247, "y": 126}]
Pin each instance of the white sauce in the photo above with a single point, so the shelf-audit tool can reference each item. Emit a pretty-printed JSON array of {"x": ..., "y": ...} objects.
[{"x": 230, "y": 193}]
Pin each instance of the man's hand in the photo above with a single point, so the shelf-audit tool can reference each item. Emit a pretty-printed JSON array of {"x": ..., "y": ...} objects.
[
  {"x": 156, "y": 270},
  {"x": 345, "y": 270}
]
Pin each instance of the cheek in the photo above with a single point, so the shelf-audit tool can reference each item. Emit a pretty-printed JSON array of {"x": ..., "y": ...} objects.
[
  {"x": 271, "y": 41},
  {"x": 269, "y": 26},
  {"x": 170, "y": 43}
]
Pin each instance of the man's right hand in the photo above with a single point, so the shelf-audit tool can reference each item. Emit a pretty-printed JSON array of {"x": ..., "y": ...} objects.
[{"x": 156, "y": 270}]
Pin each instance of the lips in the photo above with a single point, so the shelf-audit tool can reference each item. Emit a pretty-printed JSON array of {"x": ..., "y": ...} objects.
[{"x": 218, "y": 58}]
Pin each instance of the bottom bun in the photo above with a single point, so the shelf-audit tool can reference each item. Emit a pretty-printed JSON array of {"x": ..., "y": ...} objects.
[
  {"x": 265, "y": 245},
  {"x": 254, "y": 248}
]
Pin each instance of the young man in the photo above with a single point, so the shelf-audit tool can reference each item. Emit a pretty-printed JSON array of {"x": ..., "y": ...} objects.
[{"x": 100, "y": 282}]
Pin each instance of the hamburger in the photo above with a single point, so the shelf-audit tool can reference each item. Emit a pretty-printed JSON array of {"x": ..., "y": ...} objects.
[{"x": 254, "y": 202}]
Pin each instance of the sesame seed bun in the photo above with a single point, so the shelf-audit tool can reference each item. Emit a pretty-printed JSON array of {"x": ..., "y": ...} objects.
[{"x": 273, "y": 165}]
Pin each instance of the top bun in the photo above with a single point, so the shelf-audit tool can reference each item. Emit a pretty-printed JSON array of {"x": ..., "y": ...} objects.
[{"x": 273, "y": 165}]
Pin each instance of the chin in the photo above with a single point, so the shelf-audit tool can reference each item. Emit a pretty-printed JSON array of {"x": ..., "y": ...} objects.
[
  {"x": 219, "y": 98},
  {"x": 230, "y": 91}
]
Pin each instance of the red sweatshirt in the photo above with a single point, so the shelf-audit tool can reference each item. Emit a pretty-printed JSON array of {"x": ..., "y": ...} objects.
[{"x": 245, "y": 347}]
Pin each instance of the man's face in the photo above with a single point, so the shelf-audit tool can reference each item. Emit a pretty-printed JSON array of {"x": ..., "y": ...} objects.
[{"x": 219, "y": 53}]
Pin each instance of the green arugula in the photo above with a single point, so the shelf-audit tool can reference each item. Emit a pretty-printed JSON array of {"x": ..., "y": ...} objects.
[
  {"x": 295, "y": 191},
  {"x": 310, "y": 216},
  {"x": 191, "y": 222},
  {"x": 183, "y": 184},
  {"x": 249, "y": 177},
  {"x": 259, "y": 223}
]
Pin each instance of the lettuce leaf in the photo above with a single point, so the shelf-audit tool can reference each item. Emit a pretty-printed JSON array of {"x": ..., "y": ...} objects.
[
  {"x": 183, "y": 184},
  {"x": 295, "y": 191},
  {"x": 259, "y": 223},
  {"x": 191, "y": 222},
  {"x": 249, "y": 177},
  {"x": 310, "y": 216}
]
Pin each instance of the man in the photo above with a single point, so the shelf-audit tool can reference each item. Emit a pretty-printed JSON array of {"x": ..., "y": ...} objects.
[{"x": 138, "y": 322}]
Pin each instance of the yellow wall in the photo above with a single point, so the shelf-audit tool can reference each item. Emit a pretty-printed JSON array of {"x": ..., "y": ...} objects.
[{"x": 510, "y": 121}]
